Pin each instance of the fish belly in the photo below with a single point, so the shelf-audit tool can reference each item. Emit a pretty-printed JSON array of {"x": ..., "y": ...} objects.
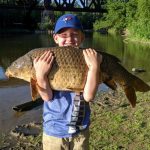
[{"x": 69, "y": 69}]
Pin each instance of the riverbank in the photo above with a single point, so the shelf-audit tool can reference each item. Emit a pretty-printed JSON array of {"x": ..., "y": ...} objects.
[
  {"x": 114, "y": 125},
  {"x": 128, "y": 37}
]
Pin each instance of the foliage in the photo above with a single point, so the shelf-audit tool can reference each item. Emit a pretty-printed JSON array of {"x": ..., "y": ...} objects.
[
  {"x": 127, "y": 14},
  {"x": 101, "y": 24},
  {"x": 140, "y": 26},
  {"x": 116, "y": 16},
  {"x": 131, "y": 9}
]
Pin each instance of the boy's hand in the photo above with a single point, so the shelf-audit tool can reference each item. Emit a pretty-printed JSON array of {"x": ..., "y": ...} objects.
[
  {"x": 92, "y": 59},
  {"x": 43, "y": 64},
  {"x": 42, "y": 67}
]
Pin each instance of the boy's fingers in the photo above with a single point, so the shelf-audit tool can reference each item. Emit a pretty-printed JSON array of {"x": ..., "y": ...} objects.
[
  {"x": 48, "y": 54},
  {"x": 86, "y": 51},
  {"x": 50, "y": 58},
  {"x": 92, "y": 51},
  {"x": 43, "y": 55},
  {"x": 89, "y": 51},
  {"x": 85, "y": 54}
]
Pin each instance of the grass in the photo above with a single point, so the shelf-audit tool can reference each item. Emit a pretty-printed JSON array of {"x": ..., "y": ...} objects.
[
  {"x": 115, "y": 125},
  {"x": 121, "y": 127}
]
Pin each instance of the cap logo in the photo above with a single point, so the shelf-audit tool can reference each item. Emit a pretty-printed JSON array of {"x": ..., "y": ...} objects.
[{"x": 68, "y": 18}]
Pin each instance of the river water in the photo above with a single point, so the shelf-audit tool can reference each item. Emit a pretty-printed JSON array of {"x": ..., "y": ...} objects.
[{"x": 16, "y": 92}]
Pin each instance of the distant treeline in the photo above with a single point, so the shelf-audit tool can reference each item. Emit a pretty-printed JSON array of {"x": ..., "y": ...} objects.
[{"x": 132, "y": 16}]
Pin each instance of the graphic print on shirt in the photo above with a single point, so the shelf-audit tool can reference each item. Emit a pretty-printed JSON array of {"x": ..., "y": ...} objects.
[{"x": 78, "y": 114}]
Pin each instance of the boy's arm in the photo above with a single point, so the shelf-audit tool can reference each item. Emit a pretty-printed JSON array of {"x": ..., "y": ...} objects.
[
  {"x": 42, "y": 67},
  {"x": 93, "y": 61}
]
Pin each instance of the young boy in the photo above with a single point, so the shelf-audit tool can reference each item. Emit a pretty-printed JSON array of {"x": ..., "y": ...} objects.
[{"x": 67, "y": 114}]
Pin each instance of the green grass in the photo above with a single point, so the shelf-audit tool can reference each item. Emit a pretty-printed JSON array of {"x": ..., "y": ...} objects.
[
  {"x": 115, "y": 125},
  {"x": 120, "y": 126}
]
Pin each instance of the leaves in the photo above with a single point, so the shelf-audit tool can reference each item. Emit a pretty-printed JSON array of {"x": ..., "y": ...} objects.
[{"x": 132, "y": 15}]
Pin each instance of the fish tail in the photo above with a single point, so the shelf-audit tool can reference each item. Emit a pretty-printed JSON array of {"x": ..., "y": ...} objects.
[
  {"x": 136, "y": 85},
  {"x": 140, "y": 85},
  {"x": 131, "y": 95}
]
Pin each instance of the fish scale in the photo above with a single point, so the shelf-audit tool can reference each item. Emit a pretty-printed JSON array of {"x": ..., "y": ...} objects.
[
  {"x": 69, "y": 72},
  {"x": 70, "y": 77}
]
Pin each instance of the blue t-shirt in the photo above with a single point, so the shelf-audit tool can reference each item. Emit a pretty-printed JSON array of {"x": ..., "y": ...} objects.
[{"x": 65, "y": 115}]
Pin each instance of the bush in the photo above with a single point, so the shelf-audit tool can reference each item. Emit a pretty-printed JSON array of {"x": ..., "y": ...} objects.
[
  {"x": 139, "y": 27},
  {"x": 132, "y": 15},
  {"x": 99, "y": 24}
]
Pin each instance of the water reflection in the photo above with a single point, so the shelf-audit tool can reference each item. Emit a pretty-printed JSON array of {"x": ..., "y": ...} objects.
[
  {"x": 132, "y": 55},
  {"x": 13, "y": 47}
]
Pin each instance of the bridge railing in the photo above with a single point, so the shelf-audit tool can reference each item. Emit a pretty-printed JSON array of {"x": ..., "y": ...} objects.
[{"x": 56, "y": 5}]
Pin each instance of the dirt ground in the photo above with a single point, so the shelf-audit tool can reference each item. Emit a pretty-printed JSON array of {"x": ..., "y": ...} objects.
[
  {"x": 24, "y": 130},
  {"x": 28, "y": 136},
  {"x": 11, "y": 121}
]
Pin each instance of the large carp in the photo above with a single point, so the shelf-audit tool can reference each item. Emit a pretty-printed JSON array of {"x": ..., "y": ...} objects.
[{"x": 69, "y": 72}]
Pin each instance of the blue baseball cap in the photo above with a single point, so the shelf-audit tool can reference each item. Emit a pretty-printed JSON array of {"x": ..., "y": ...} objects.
[{"x": 68, "y": 21}]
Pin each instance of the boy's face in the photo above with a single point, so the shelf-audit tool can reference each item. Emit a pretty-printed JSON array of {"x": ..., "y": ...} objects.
[{"x": 69, "y": 37}]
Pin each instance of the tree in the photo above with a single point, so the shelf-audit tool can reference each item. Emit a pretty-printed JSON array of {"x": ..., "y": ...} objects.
[
  {"x": 140, "y": 25},
  {"x": 116, "y": 16}
]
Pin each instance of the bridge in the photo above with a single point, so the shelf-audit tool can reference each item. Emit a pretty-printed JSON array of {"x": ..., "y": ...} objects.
[{"x": 56, "y": 5}]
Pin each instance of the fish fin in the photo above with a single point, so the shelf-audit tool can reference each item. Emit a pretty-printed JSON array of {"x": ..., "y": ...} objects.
[
  {"x": 130, "y": 93},
  {"x": 108, "y": 80},
  {"x": 34, "y": 89},
  {"x": 111, "y": 84},
  {"x": 140, "y": 85}
]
